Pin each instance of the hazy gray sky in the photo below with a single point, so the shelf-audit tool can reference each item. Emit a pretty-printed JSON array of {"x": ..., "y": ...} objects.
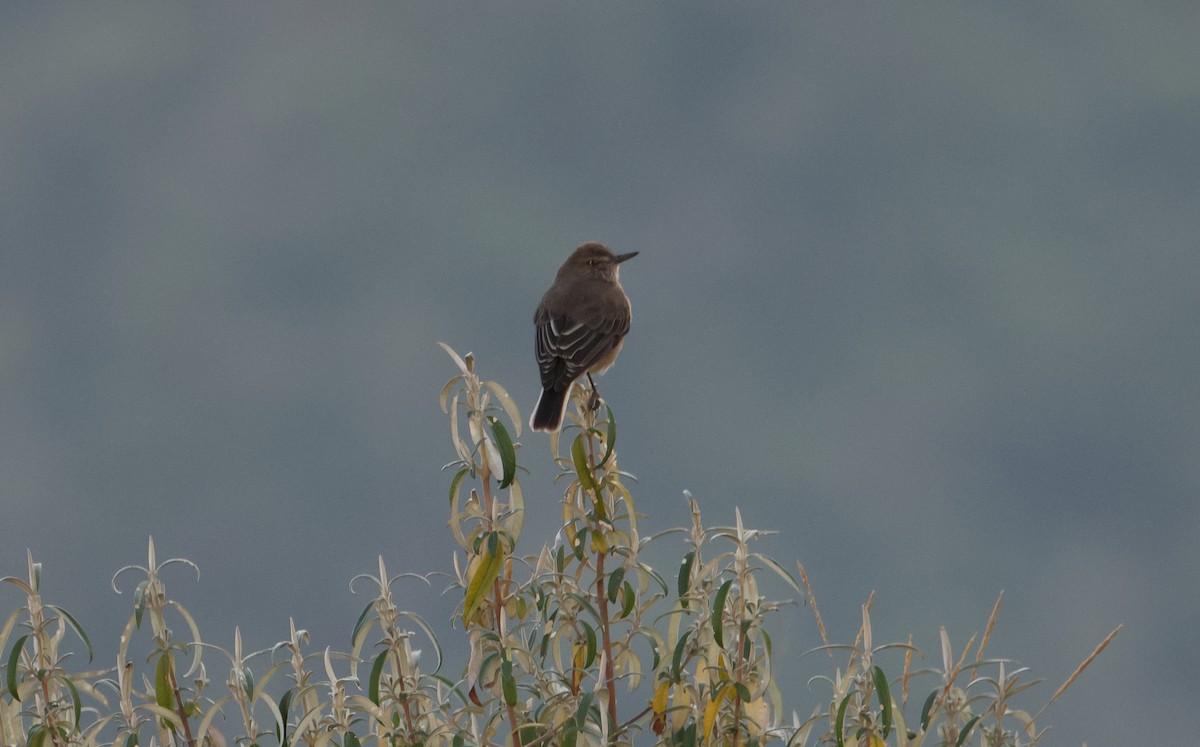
[{"x": 917, "y": 287}]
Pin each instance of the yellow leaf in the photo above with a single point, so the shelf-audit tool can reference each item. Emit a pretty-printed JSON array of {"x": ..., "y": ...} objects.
[
  {"x": 659, "y": 703},
  {"x": 756, "y": 715},
  {"x": 683, "y": 707},
  {"x": 578, "y": 659},
  {"x": 710, "y": 712},
  {"x": 486, "y": 572}
]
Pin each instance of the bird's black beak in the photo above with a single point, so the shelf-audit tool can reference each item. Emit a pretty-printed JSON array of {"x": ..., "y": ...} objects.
[{"x": 622, "y": 257}]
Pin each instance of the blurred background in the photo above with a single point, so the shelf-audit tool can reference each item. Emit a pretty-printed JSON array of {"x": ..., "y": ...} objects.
[{"x": 918, "y": 288}]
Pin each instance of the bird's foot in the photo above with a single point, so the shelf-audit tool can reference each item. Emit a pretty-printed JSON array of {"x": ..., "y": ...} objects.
[{"x": 594, "y": 397}]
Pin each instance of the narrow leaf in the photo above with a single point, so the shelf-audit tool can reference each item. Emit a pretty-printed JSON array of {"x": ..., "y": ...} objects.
[
  {"x": 139, "y": 603},
  {"x": 585, "y": 705},
  {"x": 839, "y": 725},
  {"x": 926, "y": 709},
  {"x": 962, "y": 737},
  {"x": 610, "y": 439},
  {"x": 10, "y": 670},
  {"x": 458, "y": 361},
  {"x": 285, "y": 705},
  {"x": 677, "y": 657},
  {"x": 162, "y": 682},
  {"x": 74, "y": 626},
  {"x": 685, "y": 577},
  {"x": 718, "y": 613},
  {"x": 885, "y": 699},
  {"x": 76, "y": 706},
  {"x": 481, "y": 582},
  {"x": 630, "y": 599},
  {"x": 614, "y": 583},
  {"x": 455, "y": 481},
  {"x": 506, "y": 402},
  {"x": 508, "y": 683},
  {"x": 579, "y": 458},
  {"x": 359, "y": 629},
  {"x": 508, "y": 453},
  {"x": 590, "y": 634},
  {"x": 376, "y": 673},
  {"x": 742, "y": 691}
]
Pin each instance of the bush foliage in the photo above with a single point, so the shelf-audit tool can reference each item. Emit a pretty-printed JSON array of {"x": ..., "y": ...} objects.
[{"x": 580, "y": 643}]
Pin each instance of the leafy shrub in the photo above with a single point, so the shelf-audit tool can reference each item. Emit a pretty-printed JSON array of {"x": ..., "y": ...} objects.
[{"x": 582, "y": 643}]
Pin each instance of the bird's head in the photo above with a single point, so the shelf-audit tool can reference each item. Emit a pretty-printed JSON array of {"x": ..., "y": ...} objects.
[{"x": 595, "y": 260}]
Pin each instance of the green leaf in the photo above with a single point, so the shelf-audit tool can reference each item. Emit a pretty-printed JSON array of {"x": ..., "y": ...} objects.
[
  {"x": 508, "y": 683},
  {"x": 10, "y": 670},
  {"x": 685, "y": 577},
  {"x": 131, "y": 740},
  {"x": 528, "y": 733},
  {"x": 579, "y": 458},
  {"x": 614, "y": 583},
  {"x": 610, "y": 440},
  {"x": 885, "y": 699},
  {"x": 376, "y": 673},
  {"x": 508, "y": 453},
  {"x": 962, "y": 737},
  {"x": 285, "y": 706},
  {"x": 37, "y": 736},
  {"x": 742, "y": 691},
  {"x": 163, "y": 694},
  {"x": 76, "y": 705},
  {"x": 630, "y": 599},
  {"x": 570, "y": 734},
  {"x": 926, "y": 709},
  {"x": 839, "y": 725},
  {"x": 585, "y": 705},
  {"x": 74, "y": 626},
  {"x": 677, "y": 657},
  {"x": 248, "y": 683},
  {"x": 351, "y": 740},
  {"x": 718, "y": 613},
  {"x": 456, "y": 481},
  {"x": 590, "y": 635},
  {"x": 358, "y": 625},
  {"x": 139, "y": 603}
]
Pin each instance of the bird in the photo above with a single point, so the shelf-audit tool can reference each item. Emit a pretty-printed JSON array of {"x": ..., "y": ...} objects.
[{"x": 581, "y": 325}]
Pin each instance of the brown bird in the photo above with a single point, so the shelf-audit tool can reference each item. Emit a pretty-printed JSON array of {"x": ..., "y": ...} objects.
[{"x": 581, "y": 325}]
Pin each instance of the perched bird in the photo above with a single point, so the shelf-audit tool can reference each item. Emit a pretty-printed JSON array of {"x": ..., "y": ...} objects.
[{"x": 581, "y": 324}]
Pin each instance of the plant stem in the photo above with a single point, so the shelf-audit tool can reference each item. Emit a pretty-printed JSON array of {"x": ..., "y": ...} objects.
[
  {"x": 485, "y": 476},
  {"x": 610, "y": 679},
  {"x": 187, "y": 727},
  {"x": 609, "y": 676}
]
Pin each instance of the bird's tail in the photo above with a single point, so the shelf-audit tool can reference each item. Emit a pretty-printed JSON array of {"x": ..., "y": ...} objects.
[{"x": 551, "y": 406}]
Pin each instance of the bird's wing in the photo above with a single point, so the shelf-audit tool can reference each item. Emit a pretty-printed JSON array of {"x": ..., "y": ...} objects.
[{"x": 567, "y": 348}]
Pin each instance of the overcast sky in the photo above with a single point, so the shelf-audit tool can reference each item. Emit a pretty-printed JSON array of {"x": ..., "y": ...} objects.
[{"x": 917, "y": 288}]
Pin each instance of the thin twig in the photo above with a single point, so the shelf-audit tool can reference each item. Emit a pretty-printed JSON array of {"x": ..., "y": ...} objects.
[
  {"x": 991, "y": 623},
  {"x": 816, "y": 612},
  {"x": 1078, "y": 671},
  {"x": 187, "y": 727}
]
